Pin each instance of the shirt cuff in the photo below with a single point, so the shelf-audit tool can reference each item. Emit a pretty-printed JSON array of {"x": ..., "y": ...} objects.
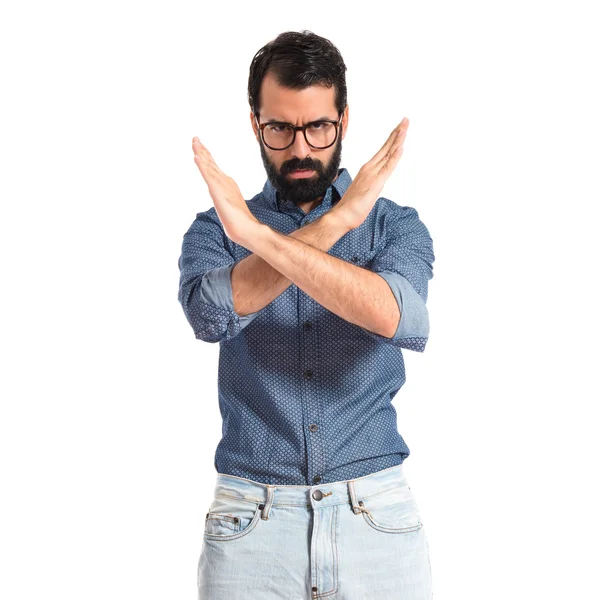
[
  {"x": 216, "y": 289},
  {"x": 414, "y": 316}
]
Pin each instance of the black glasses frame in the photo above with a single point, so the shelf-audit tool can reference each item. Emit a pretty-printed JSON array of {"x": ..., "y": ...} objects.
[{"x": 261, "y": 126}]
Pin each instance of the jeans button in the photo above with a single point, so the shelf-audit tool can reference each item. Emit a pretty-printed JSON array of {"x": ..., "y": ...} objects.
[{"x": 317, "y": 494}]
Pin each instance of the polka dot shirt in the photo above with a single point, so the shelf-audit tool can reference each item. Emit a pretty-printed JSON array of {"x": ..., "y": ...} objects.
[{"x": 306, "y": 396}]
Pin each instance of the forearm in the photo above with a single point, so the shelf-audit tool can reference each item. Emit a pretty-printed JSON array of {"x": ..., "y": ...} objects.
[
  {"x": 255, "y": 283},
  {"x": 355, "y": 294}
]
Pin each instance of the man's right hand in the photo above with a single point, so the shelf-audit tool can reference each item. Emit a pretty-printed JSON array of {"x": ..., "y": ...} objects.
[{"x": 360, "y": 197}]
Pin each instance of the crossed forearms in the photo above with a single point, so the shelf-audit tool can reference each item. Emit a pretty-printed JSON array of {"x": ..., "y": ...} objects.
[{"x": 255, "y": 283}]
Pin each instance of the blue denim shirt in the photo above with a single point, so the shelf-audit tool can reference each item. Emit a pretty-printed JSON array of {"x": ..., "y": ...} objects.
[{"x": 306, "y": 396}]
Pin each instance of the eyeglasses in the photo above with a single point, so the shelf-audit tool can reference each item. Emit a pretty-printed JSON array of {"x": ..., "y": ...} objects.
[{"x": 279, "y": 135}]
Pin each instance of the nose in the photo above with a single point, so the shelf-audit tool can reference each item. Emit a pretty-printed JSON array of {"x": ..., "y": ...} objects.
[{"x": 300, "y": 149}]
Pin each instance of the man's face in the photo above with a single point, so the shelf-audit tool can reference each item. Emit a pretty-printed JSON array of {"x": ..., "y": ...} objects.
[{"x": 299, "y": 107}]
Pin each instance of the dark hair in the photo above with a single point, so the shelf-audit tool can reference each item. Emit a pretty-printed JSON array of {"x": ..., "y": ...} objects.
[{"x": 298, "y": 60}]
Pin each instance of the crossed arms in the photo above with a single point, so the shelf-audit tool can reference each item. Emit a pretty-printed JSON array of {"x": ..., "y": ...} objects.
[
  {"x": 351, "y": 292},
  {"x": 220, "y": 296},
  {"x": 355, "y": 294}
]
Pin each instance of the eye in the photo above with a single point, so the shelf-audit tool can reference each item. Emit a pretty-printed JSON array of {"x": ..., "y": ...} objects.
[
  {"x": 276, "y": 128},
  {"x": 318, "y": 125}
]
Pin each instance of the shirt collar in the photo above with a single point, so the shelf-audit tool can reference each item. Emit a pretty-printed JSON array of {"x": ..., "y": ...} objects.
[{"x": 340, "y": 185}]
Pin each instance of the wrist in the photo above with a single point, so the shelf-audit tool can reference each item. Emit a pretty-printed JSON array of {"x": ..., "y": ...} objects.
[
  {"x": 254, "y": 234},
  {"x": 340, "y": 218}
]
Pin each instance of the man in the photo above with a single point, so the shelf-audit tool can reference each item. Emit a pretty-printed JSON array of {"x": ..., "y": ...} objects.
[{"x": 311, "y": 288}]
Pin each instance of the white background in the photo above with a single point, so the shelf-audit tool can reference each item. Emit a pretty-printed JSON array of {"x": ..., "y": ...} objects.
[{"x": 110, "y": 416}]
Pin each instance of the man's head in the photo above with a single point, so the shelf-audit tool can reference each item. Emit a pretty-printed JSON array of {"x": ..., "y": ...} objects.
[{"x": 299, "y": 78}]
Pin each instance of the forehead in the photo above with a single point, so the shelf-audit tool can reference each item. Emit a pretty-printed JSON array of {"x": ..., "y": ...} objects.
[{"x": 278, "y": 102}]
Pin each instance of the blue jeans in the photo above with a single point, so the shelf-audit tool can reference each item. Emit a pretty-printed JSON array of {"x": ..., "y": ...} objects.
[{"x": 347, "y": 540}]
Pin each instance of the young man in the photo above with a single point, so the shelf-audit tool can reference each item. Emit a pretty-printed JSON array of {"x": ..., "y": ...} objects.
[{"x": 311, "y": 288}]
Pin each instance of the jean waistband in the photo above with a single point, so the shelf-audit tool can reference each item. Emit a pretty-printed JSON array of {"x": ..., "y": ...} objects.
[{"x": 316, "y": 496}]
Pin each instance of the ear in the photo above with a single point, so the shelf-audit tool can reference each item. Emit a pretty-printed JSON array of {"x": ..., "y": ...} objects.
[
  {"x": 345, "y": 119},
  {"x": 254, "y": 126}
]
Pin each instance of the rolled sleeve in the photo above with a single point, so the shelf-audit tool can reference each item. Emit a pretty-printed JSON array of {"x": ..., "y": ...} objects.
[
  {"x": 414, "y": 316},
  {"x": 406, "y": 264},
  {"x": 216, "y": 289},
  {"x": 208, "y": 309}
]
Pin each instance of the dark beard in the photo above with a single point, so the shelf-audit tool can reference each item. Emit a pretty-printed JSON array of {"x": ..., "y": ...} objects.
[{"x": 300, "y": 191}]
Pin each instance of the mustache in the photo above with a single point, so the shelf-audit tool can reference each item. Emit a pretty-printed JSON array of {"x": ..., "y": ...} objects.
[{"x": 294, "y": 165}]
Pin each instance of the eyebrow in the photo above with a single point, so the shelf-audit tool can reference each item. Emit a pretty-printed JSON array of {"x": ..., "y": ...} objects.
[{"x": 287, "y": 122}]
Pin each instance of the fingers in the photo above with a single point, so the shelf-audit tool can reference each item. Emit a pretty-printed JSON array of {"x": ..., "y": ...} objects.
[
  {"x": 399, "y": 129},
  {"x": 203, "y": 158},
  {"x": 384, "y": 149},
  {"x": 201, "y": 150},
  {"x": 390, "y": 165},
  {"x": 395, "y": 146}
]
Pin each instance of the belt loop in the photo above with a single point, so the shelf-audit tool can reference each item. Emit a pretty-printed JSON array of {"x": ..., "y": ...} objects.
[
  {"x": 268, "y": 504},
  {"x": 355, "y": 507}
]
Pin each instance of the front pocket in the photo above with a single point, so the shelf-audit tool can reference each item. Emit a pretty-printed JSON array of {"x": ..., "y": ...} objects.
[
  {"x": 392, "y": 511},
  {"x": 220, "y": 524},
  {"x": 230, "y": 518}
]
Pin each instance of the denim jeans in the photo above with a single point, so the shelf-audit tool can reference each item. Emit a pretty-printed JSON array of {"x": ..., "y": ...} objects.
[{"x": 347, "y": 540}]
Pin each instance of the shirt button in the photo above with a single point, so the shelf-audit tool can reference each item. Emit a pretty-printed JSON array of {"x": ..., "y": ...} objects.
[
  {"x": 316, "y": 479},
  {"x": 313, "y": 427},
  {"x": 317, "y": 494},
  {"x": 355, "y": 259},
  {"x": 308, "y": 374},
  {"x": 307, "y": 325}
]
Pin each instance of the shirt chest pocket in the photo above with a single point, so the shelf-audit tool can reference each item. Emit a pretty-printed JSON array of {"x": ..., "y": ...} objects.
[{"x": 360, "y": 258}]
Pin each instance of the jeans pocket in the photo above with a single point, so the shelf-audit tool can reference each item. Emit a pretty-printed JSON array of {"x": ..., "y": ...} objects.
[
  {"x": 230, "y": 518},
  {"x": 392, "y": 511}
]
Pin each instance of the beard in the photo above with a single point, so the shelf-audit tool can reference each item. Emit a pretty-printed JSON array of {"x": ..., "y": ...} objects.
[{"x": 306, "y": 189}]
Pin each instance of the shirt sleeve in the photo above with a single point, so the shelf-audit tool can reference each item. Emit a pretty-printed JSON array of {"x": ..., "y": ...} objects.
[
  {"x": 216, "y": 289},
  {"x": 205, "y": 257},
  {"x": 406, "y": 264}
]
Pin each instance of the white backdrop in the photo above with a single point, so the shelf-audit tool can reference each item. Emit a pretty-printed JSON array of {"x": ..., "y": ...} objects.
[{"x": 110, "y": 415}]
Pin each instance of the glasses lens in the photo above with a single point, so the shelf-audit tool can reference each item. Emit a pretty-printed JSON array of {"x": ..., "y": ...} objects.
[
  {"x": 320, "y": 135},
  {"x": 278, "y": 136}
]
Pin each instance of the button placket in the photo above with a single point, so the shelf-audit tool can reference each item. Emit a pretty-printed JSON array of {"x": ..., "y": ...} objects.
[{"x": 308, "y": 340}]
